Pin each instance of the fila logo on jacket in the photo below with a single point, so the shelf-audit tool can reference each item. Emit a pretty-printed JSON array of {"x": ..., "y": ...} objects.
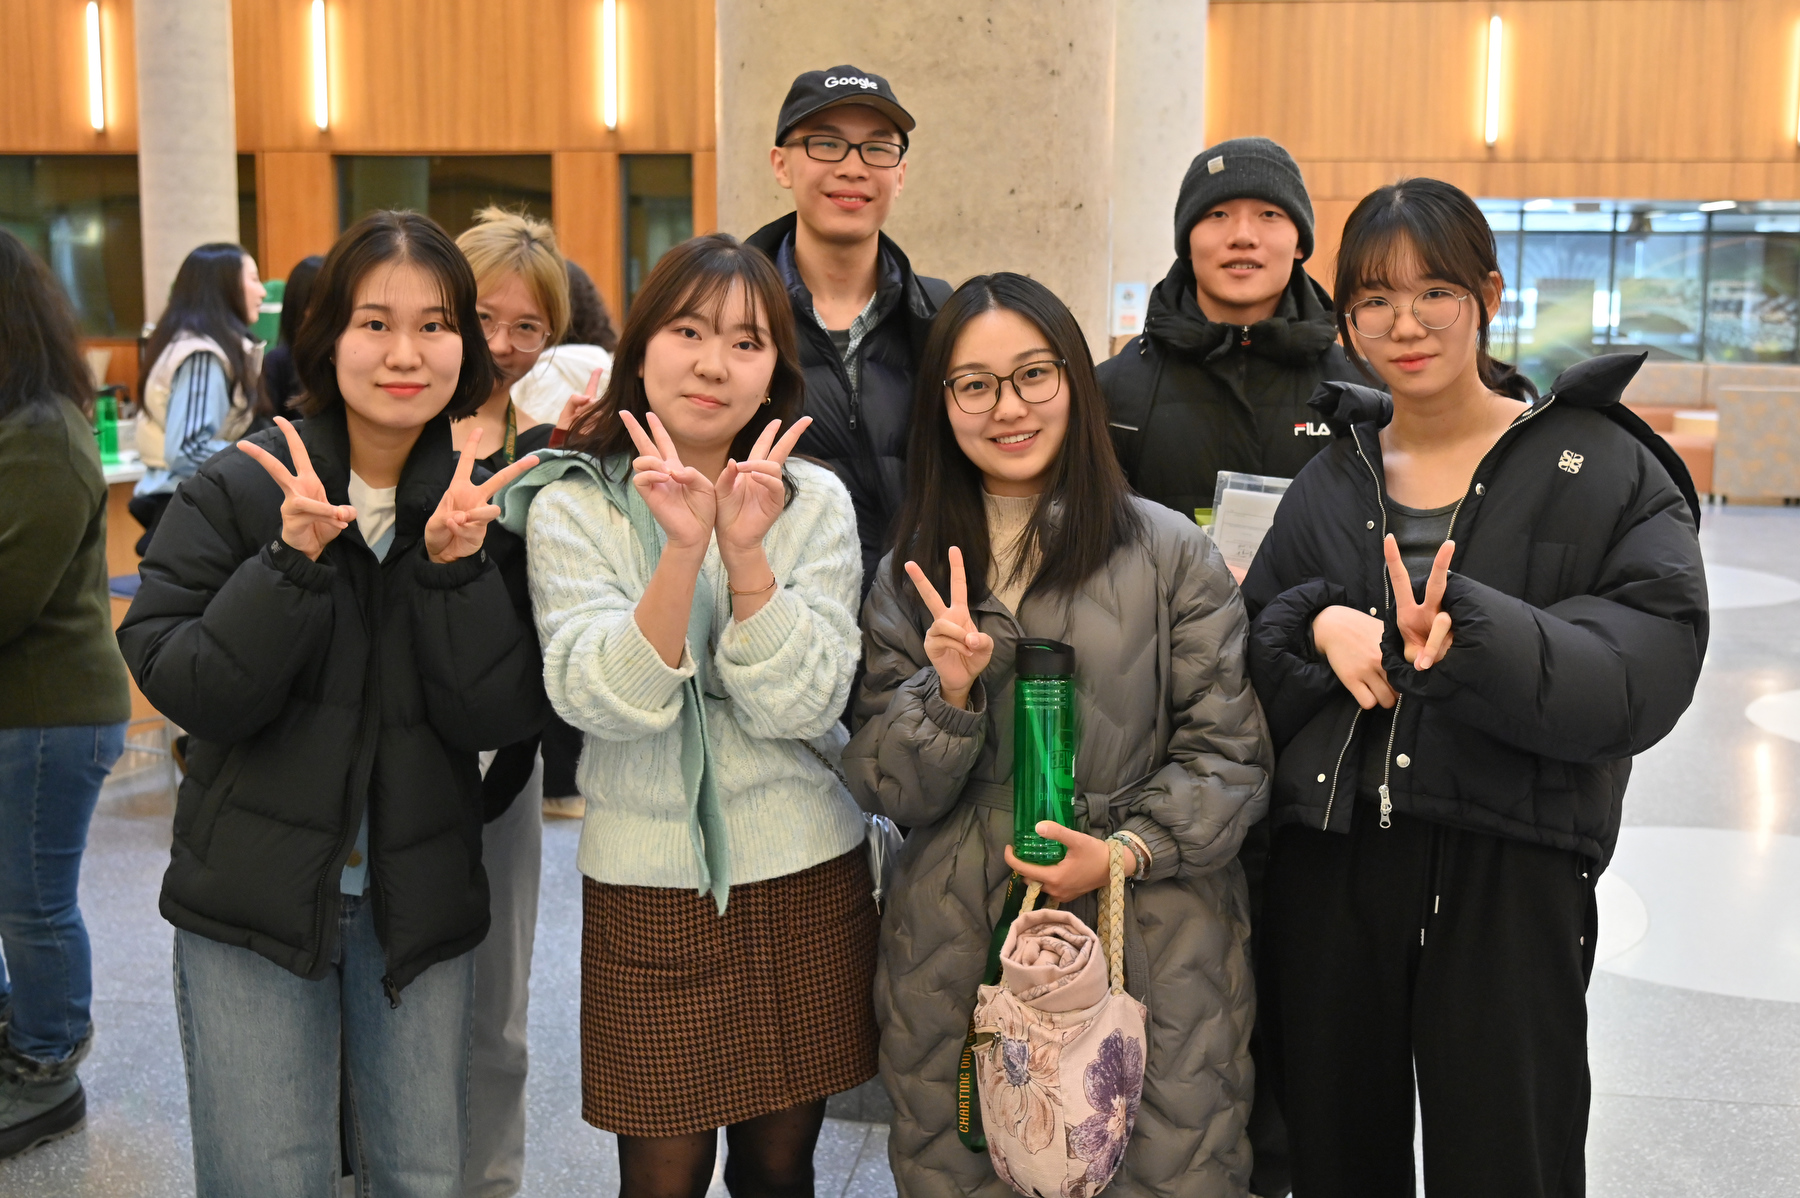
[{"x": 1305, "y": 428}]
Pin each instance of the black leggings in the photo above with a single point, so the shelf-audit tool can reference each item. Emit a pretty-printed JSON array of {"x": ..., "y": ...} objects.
[
  {"x": 1424, "y": 951},
  {"x": 770, "y": 1156}
]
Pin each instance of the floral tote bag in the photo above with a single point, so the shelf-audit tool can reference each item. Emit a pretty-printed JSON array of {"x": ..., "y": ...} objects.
[{"x": 1058, "y": 1048}]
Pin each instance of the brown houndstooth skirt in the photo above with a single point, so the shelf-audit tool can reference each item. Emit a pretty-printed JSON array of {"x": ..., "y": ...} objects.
[{"x": 692, "y": 1021}]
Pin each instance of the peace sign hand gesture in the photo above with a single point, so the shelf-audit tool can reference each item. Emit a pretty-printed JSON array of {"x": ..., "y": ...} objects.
[
  {"x": 750, "y": 493},
  {"x": 1425, "y": 627},
  {"x": 309, "y": 522},
  {"x": 680, "y": 497},
  {"x": 956, "y": 647},
  {"x": 582, "y": 401},
  {"x": 459, "y": 525}
]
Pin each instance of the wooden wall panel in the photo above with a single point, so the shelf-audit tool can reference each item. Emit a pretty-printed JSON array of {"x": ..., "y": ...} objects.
[
  {"x": 296, "y": 208},
  {"x": 469, "y": 76},
  {"x": 706, "y": 192},
  {"x": 588, "y": 199},
  {"x": 43, "y": 78}
]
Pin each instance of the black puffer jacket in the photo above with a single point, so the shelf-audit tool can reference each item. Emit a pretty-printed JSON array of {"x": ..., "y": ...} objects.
[
  {"x": 1188, "y": 398},
  {"x": 1578, "y": 608},
  {"x": 315, "y": 690},
  {"x": 862, "y": 434}
]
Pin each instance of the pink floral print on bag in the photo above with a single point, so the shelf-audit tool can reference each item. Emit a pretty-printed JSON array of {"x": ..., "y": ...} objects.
[{"x": 1059, "y": 1051}]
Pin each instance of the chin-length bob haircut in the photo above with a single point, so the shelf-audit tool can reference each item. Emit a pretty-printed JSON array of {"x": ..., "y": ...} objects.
[
  {"x": 696, "y": 278},
  {"x": 381, "y": 239},
  {"x": 1084, "y": 514}
]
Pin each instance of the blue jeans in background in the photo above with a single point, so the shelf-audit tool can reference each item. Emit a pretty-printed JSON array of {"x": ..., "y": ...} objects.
[
  {"x": 264, "y": 1050},
  {"x": 49, "y": 782}
]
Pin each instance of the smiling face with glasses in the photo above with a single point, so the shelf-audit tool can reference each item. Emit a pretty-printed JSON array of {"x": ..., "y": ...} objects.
[
  {"x": 845, "y": 165},
  {"x": 1008, "y": 401},
  {"x": 1418, "y": 333}
]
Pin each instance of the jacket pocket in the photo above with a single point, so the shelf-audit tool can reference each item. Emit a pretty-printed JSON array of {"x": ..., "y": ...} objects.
[
  {"x": 197, "y": 828},
  {"x": 1547, "y": 573}
]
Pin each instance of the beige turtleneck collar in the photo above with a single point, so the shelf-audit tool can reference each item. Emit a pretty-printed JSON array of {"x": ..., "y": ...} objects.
[{"x": 1007, "y": 517}]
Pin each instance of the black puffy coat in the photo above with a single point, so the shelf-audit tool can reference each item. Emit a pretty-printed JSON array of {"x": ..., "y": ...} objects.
[
  {"x": 315, "y": 690},
  {"x": 862, "y": 434},
  {"x": 1578, "y": 608},
  {"x": 1189, "y": 397}
]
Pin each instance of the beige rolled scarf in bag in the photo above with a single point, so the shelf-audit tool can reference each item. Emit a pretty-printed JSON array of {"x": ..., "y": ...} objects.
[{"x": 1059, "y": 1050}]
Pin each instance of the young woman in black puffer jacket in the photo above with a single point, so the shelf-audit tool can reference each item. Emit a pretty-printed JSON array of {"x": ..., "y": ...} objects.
[
  {"x": 325, "y": 611},
  {"x": 1473, "y": 609}
]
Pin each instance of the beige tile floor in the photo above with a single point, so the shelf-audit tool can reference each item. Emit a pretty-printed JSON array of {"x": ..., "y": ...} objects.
[{"x": 1696, "y": 1067}]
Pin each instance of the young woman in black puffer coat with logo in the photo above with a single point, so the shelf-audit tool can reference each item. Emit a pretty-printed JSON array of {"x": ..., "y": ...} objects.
[{"x": 1472, "y": 610}]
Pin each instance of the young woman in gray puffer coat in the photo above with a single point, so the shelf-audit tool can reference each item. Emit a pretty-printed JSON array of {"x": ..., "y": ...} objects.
[{"x": 1019, "y": 524}]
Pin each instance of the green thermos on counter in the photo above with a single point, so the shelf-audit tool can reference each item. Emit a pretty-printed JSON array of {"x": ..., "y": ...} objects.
[{"x": 1044, "y": 742}]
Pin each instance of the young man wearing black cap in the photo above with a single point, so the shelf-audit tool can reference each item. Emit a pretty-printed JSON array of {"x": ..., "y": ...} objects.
[
  {"x": 860, "y": 311},
  {"x": 1236, "y": 338}
]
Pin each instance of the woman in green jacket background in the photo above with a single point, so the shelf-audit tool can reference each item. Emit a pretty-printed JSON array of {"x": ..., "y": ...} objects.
[{"x": 63, "y": 699}]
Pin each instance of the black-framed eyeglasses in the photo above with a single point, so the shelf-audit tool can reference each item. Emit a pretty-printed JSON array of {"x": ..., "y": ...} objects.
[
  {"x": 978, "y": 391},
  {"x": 823, "y": 148},
  {"x": 1436, "y": 308},
  {"x": 525, "y": 336}
]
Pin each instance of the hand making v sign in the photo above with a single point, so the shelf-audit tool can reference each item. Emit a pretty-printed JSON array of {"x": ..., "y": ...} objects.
[
  {"x": 679, "y": 496},
  {"x": 1425, "y": 627},
  {"x": 954, "y": 643},
  {"x": 309, "y": 521},
  {"x": 459, "y": 525}
]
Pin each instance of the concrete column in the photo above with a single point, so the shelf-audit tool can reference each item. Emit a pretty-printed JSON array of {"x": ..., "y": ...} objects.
[
  {"x": 1158, "y": 126},
  {"x": 1011, "y": 165},
  {"x": 187, "y": 135}
]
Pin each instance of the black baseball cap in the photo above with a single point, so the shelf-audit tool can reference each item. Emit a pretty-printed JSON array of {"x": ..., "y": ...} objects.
[{"x": 816, "y": 91}]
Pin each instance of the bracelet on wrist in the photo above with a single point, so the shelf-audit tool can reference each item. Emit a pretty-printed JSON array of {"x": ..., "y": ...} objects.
[
  {"x": 737, "y": 594},
  {"x": 1139, "y": 850}
]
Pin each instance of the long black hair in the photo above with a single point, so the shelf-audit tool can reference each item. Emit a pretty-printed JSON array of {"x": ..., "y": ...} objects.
[
  {"x": 297, "y": 295},
  {"x": 1084, "y": 515},
  {"x": 1451, "y": 239},
  {"x": 696, "y": 277},
  {"x": 376, "y": 240},
  {"x": 206, "y": 299},
  {"x": 40, "y": 355}
]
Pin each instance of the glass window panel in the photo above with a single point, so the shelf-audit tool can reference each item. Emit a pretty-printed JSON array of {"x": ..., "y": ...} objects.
[
  {"x": 1567, "y": 216},
  {"x": 1752, "y": 282},
  {"x": 1563, "y": 283},
  {"x": 1502, "y": 215},
  {"x": 449, "y": 188},
  {"x": 1656, "y": 290},
  {"x": 246, "y": 177},
  {"x": 1503, "y": 331},
  {"x": 659, "y": 211},
  {"x": 80, "y": 213}
]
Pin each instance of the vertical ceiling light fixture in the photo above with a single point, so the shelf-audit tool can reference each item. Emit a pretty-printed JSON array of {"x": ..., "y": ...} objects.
[
  {"x": 96, "y": 79},
  {"x": 609, "y": 63},
  {"x": 321, "y": 69},
  {"x": 1490, "y": 126}
]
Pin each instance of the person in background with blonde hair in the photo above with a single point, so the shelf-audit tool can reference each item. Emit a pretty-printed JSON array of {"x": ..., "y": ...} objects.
[{"x": 522, "y": 298}]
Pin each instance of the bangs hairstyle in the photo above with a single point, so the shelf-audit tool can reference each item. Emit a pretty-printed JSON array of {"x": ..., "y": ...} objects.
[
  {"x": 502, "y": 242},
  {"x": 380, "y": 239},
  {"x": 694, "y": 279},
  {"x": 1083, "y": 516},
  {"x": 1438, "y": 226},
  {"x": 206, "y": 299},
  {"x": 40, "y": 358}
]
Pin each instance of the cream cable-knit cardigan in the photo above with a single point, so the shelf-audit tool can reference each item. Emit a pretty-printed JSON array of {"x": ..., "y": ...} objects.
[{"x": 784, "y": 676}]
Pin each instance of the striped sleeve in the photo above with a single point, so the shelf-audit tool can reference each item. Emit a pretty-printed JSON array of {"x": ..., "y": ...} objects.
[{"x": 199, "y": 401}]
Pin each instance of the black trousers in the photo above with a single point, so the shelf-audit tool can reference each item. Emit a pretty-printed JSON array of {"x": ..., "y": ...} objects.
[{"x": 1453, "y": 957}]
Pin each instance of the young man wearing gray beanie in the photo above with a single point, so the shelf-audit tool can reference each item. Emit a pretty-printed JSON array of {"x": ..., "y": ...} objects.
[{"x": 1236, "y": 338}]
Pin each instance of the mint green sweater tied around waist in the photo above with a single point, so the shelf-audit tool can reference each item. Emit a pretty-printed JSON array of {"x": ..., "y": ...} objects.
[{"x": 705, "y": 774}]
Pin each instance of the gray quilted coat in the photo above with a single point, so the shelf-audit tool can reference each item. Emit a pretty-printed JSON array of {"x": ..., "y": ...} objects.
[{"x": 1173, "y": 747}]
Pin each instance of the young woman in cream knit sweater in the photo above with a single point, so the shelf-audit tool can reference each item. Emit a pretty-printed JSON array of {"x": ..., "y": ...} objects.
[{"x": 695, "y": 593}]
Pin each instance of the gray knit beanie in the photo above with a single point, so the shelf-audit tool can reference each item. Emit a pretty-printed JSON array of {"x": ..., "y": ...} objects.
[{"x": 1243, "y": 168}]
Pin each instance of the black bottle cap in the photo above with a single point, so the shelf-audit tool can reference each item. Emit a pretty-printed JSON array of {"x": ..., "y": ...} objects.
[{"x": 1044, "y": 659}]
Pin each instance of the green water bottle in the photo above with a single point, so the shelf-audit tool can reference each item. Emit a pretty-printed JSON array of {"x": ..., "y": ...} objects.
[
  {"x": 106, "y": 427},
  {"x": 1044, "y": 738}
]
